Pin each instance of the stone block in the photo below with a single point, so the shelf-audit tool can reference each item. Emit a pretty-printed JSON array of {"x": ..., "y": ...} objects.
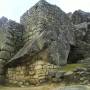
[
  {"x": 31, "y": 72},
  {"x": 35, "y": 76},
  {"x": 59, "y": 75},
  {"x": 38, "y": 67}
]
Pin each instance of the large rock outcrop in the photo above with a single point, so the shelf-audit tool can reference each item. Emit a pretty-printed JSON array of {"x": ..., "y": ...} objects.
[
  {"x": 87, "y": 36},
  {"x": 11, "y": 40},
  {"x": 82, "y": 48},
  {"x": 50, "y": 36},
  {"x": 50, "y": 27},
  {"x": 80, "y": 16}
]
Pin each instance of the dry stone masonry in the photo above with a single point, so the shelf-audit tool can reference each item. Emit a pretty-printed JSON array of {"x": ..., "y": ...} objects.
[{"x": 30, "y": 74}]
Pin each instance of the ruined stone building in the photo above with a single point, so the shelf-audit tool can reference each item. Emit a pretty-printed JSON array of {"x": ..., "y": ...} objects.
[
  {"x": 48, "y": 38},
  {"x": 45, "y": 39}
]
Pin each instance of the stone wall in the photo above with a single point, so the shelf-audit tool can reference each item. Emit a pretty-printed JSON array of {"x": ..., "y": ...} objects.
[
  {"x": 28, "y": 74},
  {"x": 41, "y": 72},
  {"x": 2, "y": 72}
]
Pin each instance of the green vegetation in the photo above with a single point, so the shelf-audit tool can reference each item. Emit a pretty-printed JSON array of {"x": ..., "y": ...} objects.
[{"x": 70, "y": 67}]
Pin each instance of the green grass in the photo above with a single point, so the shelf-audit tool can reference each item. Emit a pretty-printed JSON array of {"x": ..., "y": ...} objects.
[{"x": 70, "y": 67}]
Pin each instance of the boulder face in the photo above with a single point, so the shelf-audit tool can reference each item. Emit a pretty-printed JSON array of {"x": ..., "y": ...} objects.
[
  {"x": 3, "y": 31},
  {"x": 69, "y": 15},
  {"x": 3, "y": 21},
  {"x": 80, "y": 16},
  {"x": 11, "y": 38},
  {"x": 51, "y": 28},
  {"x": 87, "y": 36},
  {"x": 11, "y": 41}
]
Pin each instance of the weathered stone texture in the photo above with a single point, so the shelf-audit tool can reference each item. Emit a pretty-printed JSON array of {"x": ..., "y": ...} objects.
[
  {"x": 35, "y": 73},
  {"x": 80, "y": 16},
  {"x": 82, "y": 48},
  {"x": 11, "y": 38},
  {"x": 40, "y": 72},
  {"x": 51, "y": 39},
  {"x": 15, "y": 35},
  {"x": 11, "y": 41},
  {"x": 3, "y": 21},
  {"x": 81, "y": 30},
  {"x": 79, "y": 52},
  {"x": 2, "y": 72},
  {"x": 51, "y": 27},
  {"x": 87, "y": 36}
]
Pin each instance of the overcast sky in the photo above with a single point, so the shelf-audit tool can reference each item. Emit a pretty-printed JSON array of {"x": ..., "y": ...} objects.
[{"x": 13, "y": 9}]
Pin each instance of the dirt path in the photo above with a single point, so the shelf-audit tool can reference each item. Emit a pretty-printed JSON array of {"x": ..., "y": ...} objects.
[{"x": 44, "y": 87}]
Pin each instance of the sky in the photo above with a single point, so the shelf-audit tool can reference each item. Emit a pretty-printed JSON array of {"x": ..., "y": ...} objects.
[{"x": 13, "y": 9}]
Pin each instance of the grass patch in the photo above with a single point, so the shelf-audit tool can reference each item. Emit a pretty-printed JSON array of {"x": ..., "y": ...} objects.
[{"x": 70, "y": 67}]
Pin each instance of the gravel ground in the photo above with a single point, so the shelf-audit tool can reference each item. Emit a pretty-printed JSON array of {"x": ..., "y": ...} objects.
[{"x": 47, "y": 87}]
